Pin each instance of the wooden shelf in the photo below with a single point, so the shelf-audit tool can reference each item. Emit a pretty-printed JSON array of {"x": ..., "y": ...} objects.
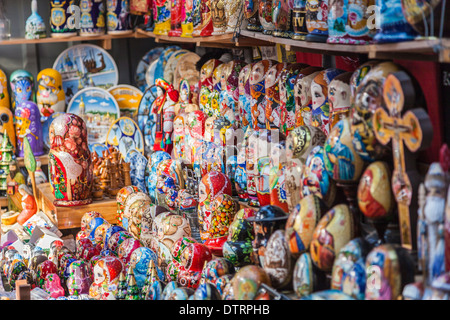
[
  {"x": 70, "y": 217},
  {"x": 43, "y": 159}
]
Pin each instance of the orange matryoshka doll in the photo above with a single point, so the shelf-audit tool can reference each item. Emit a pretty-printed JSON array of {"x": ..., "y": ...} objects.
[
  {"x": 4, "y": 95},
  {"x": 272, "y": 88},
  {"x": 258, "y": 92}
]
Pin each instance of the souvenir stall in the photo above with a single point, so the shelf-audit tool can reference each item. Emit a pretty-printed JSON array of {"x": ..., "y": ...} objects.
[{"x": 259, "y": 150}]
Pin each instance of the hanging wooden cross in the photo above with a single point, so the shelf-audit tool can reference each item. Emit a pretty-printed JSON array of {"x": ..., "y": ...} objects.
[{"x": 413, "y": 130}]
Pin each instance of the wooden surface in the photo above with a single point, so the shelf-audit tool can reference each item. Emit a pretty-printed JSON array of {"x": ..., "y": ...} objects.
[
  {"x": 70, "y": 217},
  {"x": 42, "y": 159}
]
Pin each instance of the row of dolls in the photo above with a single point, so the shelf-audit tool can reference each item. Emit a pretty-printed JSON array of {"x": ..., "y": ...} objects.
[{"x": 345, "y": 21}]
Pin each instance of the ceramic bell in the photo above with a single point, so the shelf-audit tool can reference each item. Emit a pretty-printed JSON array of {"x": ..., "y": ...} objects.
[
  {"x": 118, "y": 17},
  {"x": 389, "y": 268},
  {"x": 211, "y": 187},
  {"x": 272, "y": 90},
  {"x": 393, "y": 25},
  {"x": 4, "y": 94},
  {"x": 317, "y": 20},
  {"x": 28, "y": 126},
  {"x": 219, "y": 16},
  {"x": 368, "y": 98},
  {"x": 50, "y": 96},
  {"x": 299, "y": 20},
  {"x": 35, "y": 26},
  {"x": 349, "y": 272},
  {"x": 302, "y": 93},
  {"x": 333, "y": 231},
  {"x": 93, "y": 19},
  {"x": 307, "y": 278},
  {"x": 320, "y": 111},
  {"x": 301, "y": 224},
  {"x": 22, "y": 87},
  {"x": 61, "y": 24},
  {"x": 339, "y": 96},
  {"x": 258, "y": 93},
  {"x": 278, "y": 262},
  {"x": 265, "y": 16},
  {"x": 176, "y": 18},
  {"x": 247, "y": 280},
  {"x": 70, "y": 161},
  {"x": 267, "y": 220},
  {"x": 204, "y": 26}
]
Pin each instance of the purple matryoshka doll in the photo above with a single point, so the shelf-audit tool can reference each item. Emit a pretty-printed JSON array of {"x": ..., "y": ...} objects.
[
  {"x": 71, "y": 168},
  {"x": 80, "y": 277},
  {"x": 22, "y": 87},
  {"x": 28, "y": 126},
  {"x": 320, "y": 111},
  {"x": 258, "y": 92}
]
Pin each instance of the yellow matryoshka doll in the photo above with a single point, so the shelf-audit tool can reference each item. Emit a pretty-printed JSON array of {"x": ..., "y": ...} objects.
[
  {"x": 4, "y": 95},
  {"x": 50, "y": 96}
]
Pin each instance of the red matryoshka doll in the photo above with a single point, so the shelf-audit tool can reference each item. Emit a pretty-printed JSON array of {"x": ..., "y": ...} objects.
[
  {"x": 223, "y": 210},
  {"x": 299, "y": 144},
  {"x": 71, "y": 169},
  {"x": 219, "y": 16},
  {"x": 176, "y": 18},
  {"x": 80, "y": 278},
  {"x": 28, "y": 126},
  {"x": 339, "y": 96},
  {"x": 196, "y": 127},
  {"x": 106, "y": 277},
  {"x": 265, "y": 222},
  {"x": 187, "y": 25},
  {"x": 317, "y": 20},
  {"x": 43, "y": 269},
  {"x": 272, "y": 89},
  {"x": 165, "y": 113},
  {"x": 277, "y": 175},
  {"x": 389, "y": 268},
  {"x": 368, "y": 98},
  {"x": 52, "y": 285},
  {"x": 258, "y": 92},
  {"x": 287, "y": 98},
  {"x": 121, "y": 197},
  {"x": 126, "y": 248},
  {"x": 301, "y": 224},
  {"x": 265, "y": 16},
  {"x": 320, "y": 109},
  {"x": 192, "y": 260},
  {"x": 212, "y": 185},
  {"x": 205, "y": 27},
  {"x": 331, "y": 234},
  {"x": 161, "y": 15},
  {"x": 206, "y": 85},
  {"x": 302, "y": 93}
]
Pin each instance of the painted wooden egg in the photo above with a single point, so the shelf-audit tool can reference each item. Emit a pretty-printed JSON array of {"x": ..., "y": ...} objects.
[
  {"x": 194, "y": 256},
  {"x": 334, "y": 230},
  {"x": 126, "y": 248},
  {"x": 389, "y": 268},
  {"x": 247, "y": 280},
  {"x": 216, "y": 268},
  {"x": 341, "y": 160},
  {"x": 116, "y": 239},
  {"x": 348, "y": 274},
  {"x": 375, "y": 199},
  {"x": 315, "y": 178},
  {"x": 306, "y": 277},
  {"x": 301, "y": 224},
  {"x": 173, "y": 228},
  {"x": 86, "y": 219},
  {"x": 328, "y": 295},
  {"x": 278, "y": 262},
  {"x": 207, "y": 291}
]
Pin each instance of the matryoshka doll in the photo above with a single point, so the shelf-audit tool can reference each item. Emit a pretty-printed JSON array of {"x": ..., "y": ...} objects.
[
  {"x": 28, "y": 126},
  {"x": 71, "y": 169},
  {"x": 265, "y": 16},
  {"x": 52, "y": 285},
  {"x": 196, "y": 128},
  {"x": 240, "y": 176},
  {"x": 4, "y": 94},
  {"x": 50, "y": 96},
  {"x": 302, "y": 93},
  {"x": 80, "y": 278},
  {"x": 120, "y": 198},
  {"x": 196, "y": 15},
  {"x": 86, "y": 220},
  {"x": 179, "y": 141},
  {"x": 207, "y": 86},
  {"x": 339, "y": 96},
  {"x": 233, "y": 11},
  {"x": 219, "y": 16},
  {"x": 232, "y": 87},
  {"x": 155, "y": 158},
  {"x": 187, "y": 26},
  {"x": 93, "y": 20},
  {"x": 225, "y": 99},
  {"x": 389, "y": 268},
  {"x": 42, "y": 270},
  {"x": 206, "y": 27},
  {"x": 277, "y": 175},
  {"x": 258, "y": 92},
  {"x": 169, "y": 181},
  {"x": 118, "y": 17},
  {"x": 161, "y": 14},
  {"x": 334, "y": 230},
  {"x": 140, "y": 263},
  {"x": 282, "y": 18},
  {"x": 7, "y": 124},
  {"x": 244, "y": 100},
  {"x": 106, "y": 277},
  {"x": 171, "y": 229},
  {"x": 320, "y": 110},
  {"x": 217, "y": 89},
  {"x": 238, "y": 247},
  {"x": 192, "y": 260},
  {"x": 251, "y": 12},
  {"x": 176, "y": 18},
  {"x": 251, "y": 159},
  {"x": 272, "y": 89},
  {"x": 22, "y": 87},
  {"x": 265, "y": 222},
  {"x": 317, "y": 20},
  {"x": 184, "y": 104},
  {"x": 212, "y": 185},
  {"x": 368, "y": 98}
]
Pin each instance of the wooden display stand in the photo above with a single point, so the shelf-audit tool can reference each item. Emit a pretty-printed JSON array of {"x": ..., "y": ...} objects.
[{"x": 70, "y": 217}]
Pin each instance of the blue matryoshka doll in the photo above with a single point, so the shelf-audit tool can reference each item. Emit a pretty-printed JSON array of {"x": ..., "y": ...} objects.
[
  {"x": 59, "y": 19},
  {"x": 138, "y": 164},
  {"x": 140, "y": 261},
  {"x": 118, "y": 16},
  {"x": 28, "y": 125},
  {"x": 155, "y": 158},
  {"x": 22, "y": 87}
]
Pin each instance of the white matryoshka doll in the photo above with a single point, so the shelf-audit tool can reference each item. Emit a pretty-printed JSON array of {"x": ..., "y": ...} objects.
[
  {"x": 50, "y": 96},
  {"x": 196, "y": 128},
  {"x": 106, "y": 277},
  {"x": 184, "y": 104},
  {"x": 340, "y": 97},
  {"x": 179, "y": 140}
]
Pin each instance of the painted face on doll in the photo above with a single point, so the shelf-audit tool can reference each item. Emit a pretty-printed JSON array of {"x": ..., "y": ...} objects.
[
  {"x": 257, "y": 73},
  {"x": 207, "y": 70},
  {"x": 159, "y": 91},
  {"x": 202, "y": 193},
  {"x": 339, "y": 95},
  {"x": 317, "y": 94},
  {"x": 178, "y": 125},
  {"x": 271, "y": 77},
  {"x": 99, "y": 276},
  {"x": 184, "y": 95}
]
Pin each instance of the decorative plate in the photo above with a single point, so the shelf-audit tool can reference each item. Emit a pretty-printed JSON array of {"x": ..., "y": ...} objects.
[
  {"x": 99, "y": 110},
  {"x": 86, "y": 65},
  {"x": 143, "y": 65},
  {"x": 124, "y": 134},
  {"x": 128, "y": 98}
]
